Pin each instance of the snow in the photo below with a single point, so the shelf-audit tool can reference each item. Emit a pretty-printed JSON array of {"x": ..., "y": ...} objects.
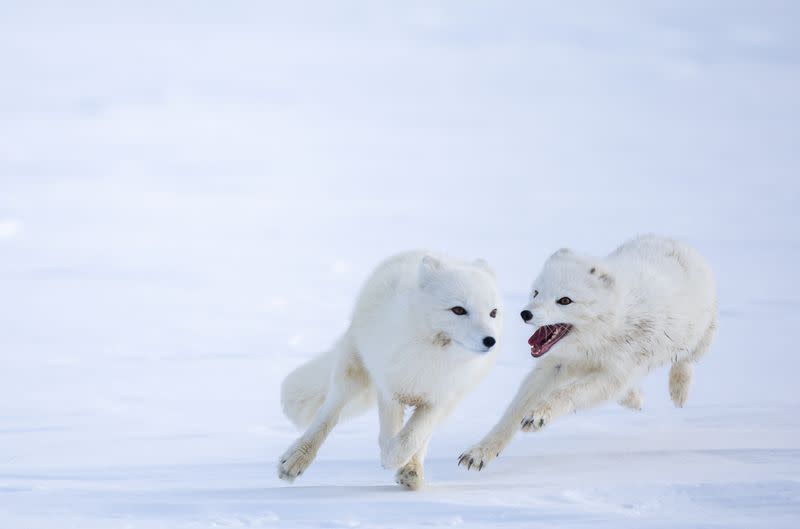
[{"x": 190, "y": 196}]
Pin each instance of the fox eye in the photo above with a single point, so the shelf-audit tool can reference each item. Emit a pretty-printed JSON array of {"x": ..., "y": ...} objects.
[
  {"x": 564, "y": 301},
  {"x": 459, "y": 310},
  {"x": 493, "y": 314},
  {"x": 535, "y": 293}
]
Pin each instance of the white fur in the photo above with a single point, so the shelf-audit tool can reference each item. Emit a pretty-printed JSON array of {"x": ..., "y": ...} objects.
[
  {"x": 651, "y": 302},
  {"x": 405, "y": 347}
]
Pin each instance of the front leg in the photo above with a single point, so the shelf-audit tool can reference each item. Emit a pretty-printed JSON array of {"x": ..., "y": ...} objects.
[
  {"x": 412, "y": 437},
  {"x": 390, "y": 416},
  {"x": 586, "y": 392},
  {"x": 390, "y": 413},
  {"x": 412, "y": 474},
  {"x": 533, "y": 388}
]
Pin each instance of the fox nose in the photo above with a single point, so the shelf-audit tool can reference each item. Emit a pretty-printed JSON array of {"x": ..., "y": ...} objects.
[
  {"x": 489, "y": 341},
  {"x": 526, "y": 315}
]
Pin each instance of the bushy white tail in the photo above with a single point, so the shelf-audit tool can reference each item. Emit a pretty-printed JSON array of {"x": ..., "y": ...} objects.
[{"x": 304, "y": 390}]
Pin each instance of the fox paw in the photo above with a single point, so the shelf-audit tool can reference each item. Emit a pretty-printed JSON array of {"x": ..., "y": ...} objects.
[
  {"x": 679, "y": 393},
  {"x": 633, "y": 400},
  {"x": 294, "y": 462},
  {"x": 537, "y": 419},
  {"x": 410, "y": 476},
  {"x": 680, "y": 378},
  {"x": 477, "y": 457}
]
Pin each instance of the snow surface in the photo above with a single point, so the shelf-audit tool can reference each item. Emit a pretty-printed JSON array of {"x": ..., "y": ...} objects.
[{"x": 192, "y": 192}]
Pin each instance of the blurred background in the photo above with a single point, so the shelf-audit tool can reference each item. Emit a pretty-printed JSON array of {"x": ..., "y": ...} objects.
[{"x": 191, "y": 194}]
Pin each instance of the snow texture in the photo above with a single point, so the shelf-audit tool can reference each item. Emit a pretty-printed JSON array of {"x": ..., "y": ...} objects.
[{"x": 192, "y": 192}]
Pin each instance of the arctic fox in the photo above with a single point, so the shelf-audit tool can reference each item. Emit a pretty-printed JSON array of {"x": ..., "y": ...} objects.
[
  {"x": 424, "y": 331},
  {"x": 604, "y": 323}
]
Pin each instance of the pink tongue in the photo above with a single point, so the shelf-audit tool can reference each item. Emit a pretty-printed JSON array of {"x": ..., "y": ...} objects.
[{"x": 538, "y": 338}]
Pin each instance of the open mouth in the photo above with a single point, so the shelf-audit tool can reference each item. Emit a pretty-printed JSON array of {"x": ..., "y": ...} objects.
[{"x": 546, "y": 337}]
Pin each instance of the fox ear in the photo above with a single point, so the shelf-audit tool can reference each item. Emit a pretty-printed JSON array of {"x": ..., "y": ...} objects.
[
  {"x": 483, "y": 265},
  {"x": 606, "y": 278},
  {"x": 428, "y": 270}
]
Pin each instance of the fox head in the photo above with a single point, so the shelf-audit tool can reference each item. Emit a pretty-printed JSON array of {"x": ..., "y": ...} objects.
[
  {"x": 460, "y": 303},
  {"x": 574, "y": 299}
]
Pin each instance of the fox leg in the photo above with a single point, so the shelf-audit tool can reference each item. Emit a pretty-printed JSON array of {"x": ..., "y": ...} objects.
[
  {"x": 413, "y": 437},
  {"x": 390, "y": 415},
  {"x": 680, "y": 374},
  {"x": 633, "y": 399},
  {"x": 586, "y": 392},
  {"x": 412, "y": 475},
  {"x": 680, "y": 378},
  {"x": 390, "y": 412},
  {"x": 533, "y": 388},
  {"x": 348, "y": 381}
]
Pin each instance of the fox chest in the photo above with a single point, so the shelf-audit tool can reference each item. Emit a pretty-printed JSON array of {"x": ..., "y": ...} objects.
[{"x": 427, "y": 383}]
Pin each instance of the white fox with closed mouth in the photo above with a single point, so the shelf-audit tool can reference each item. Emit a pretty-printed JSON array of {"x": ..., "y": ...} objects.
[
  {"x": 602, "y": 324},
  {"x": 424, "y": 331}
]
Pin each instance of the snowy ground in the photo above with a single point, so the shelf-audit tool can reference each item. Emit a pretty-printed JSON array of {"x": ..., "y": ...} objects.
[{"x": 191, "y": 195}]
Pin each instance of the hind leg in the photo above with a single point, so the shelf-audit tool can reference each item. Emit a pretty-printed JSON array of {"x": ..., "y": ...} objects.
[
  {"x": 348, "y": 381},
  {"x": 633, "y": 399},
  {"x": 680, "y": 375},
  {"x": 680, "y": 378},
  {"x": 705, "y": 341}
]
